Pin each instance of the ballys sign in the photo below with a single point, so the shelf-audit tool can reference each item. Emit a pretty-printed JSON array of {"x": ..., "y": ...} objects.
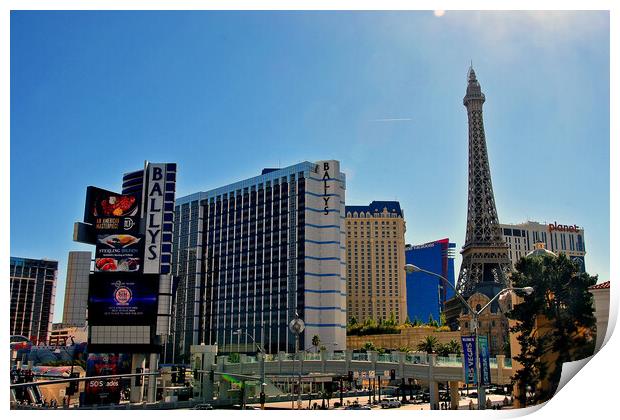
[
  {"x": 325, "y": 178},
  {"x": 154, "y": 217},
  {"x": 563, "y": 228},
  {"x": 329, "y": 192}
]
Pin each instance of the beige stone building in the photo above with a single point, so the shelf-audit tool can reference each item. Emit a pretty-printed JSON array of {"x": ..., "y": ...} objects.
[
  {"x": 408, "y": 337},
  {"x": 376, "y": 285},
  {"x": 492, "y": 321}
]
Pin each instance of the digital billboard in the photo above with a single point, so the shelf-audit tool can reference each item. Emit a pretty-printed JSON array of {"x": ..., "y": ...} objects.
[
  {"x": 122, "y": 299},
  {"x": 119, "y": 253},
  {"x": 108, "y": 211},
  {"x": 105, "y": 390}
]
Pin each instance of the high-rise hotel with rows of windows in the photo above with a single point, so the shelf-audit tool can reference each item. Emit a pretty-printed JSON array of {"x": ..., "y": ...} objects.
[
  {"x": 561, "y": 239},
  {"x": 248, "y": 256},
  {"x": 375, "y": 259}
]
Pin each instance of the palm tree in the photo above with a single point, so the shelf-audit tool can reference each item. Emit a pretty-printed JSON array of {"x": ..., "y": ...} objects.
[
  {"x": 316, "y": 341},
  {"x": 454, "y": 347},
  {"x": 369, "y": 346},
  {"x": 428, "y": 345}
]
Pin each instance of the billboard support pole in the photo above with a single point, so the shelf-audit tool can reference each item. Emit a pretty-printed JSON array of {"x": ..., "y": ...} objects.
[
  {"x": 152, "y": 387},
  {"x": 136, "y": 391}
]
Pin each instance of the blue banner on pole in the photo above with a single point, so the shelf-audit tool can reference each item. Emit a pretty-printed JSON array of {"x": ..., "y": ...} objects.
[
  {"x": 485, "y": 362},
  {"x": 469, "y": 359}
]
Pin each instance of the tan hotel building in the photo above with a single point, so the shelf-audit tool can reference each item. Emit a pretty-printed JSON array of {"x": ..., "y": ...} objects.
[
  {"x": 558, "y": 238},
  {"x": 375, "y": 259}
]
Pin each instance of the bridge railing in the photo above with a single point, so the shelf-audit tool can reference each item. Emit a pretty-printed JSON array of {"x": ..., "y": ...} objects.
[
  {"x": 359, "y": 356},
  {"x": 449, "y": 361},
  {"x": 337, "y": 356}
]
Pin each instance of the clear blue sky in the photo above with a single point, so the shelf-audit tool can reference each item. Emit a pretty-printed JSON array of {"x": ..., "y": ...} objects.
[{"x": 224, "y": 94}]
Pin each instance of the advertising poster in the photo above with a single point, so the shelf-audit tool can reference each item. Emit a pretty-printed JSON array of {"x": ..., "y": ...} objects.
[
  {"x": 122, "y": 299},
  {"x": 108, "y": 211},
  {"x": 469, "y": 359},
  {"x": 485, "y": 362},
  {"x": 119, "y": 253},
  {"x": 106, "y": 390}
]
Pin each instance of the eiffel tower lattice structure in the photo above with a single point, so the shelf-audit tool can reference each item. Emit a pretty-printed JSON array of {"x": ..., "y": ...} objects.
[{"x": 486, "y": 264}]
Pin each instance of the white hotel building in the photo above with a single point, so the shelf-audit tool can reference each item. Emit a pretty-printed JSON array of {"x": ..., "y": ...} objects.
[
  {"x": 558, "y": 238},
  {"x": 249, "y": 255}
]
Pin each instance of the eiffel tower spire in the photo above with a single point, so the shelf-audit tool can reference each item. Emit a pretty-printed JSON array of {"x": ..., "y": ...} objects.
[{"x": 485, "y": 263}]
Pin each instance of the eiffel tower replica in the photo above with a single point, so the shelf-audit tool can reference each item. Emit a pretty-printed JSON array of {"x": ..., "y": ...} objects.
[{"x": 486, "y": 264}]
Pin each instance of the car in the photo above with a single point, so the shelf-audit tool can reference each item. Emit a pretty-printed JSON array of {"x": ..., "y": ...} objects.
[
  {"x": 390, "y": 403},
  {"x": 202, "y": 407},
  {"x": 357, "y": 406}
]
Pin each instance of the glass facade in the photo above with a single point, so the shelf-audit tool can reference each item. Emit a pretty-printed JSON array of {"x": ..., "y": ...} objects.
[
  {"x": 238, "y": 258},
  {"x": 33, "y": 292},
  {"x": 426, "y": 294}
]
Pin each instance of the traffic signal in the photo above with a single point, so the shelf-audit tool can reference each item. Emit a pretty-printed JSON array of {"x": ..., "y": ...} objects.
[
  {"x": 138, "y": 379},
  {"x": 212, "y": 375},
  {"x": 173, "y": 374},
  {"x": 182, "y": 375},
  {"x": 392, "y": 374},
  {"x": 329, "y": 387},
  {"x": 73, "y": 385},
  {"x": 350, "y": 376}
]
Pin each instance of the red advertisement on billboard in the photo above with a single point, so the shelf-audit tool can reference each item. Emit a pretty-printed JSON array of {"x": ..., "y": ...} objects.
[
  {"x": 105, "y": 390},
  {"x": 108, "y": 211}
]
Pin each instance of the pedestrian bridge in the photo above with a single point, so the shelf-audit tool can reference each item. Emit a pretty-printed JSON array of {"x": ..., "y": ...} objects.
[{"x": 426, "y": 368}]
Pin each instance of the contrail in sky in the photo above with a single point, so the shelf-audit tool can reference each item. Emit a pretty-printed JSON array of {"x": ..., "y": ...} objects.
[{"x": 391, "y": 119}]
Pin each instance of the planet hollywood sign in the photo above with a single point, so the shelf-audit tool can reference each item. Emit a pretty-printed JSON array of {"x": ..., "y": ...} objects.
[{"x": 563, "y": 228}]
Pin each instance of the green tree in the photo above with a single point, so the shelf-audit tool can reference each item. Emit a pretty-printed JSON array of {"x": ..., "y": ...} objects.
[
  {"x": 452, "y": 347},
  {"x": 369, "y": 346},
  {"x": 352, "y": 320},
  {"x": 431, "y": 321},
  {"x": 407, "y": 321},
  {"x": 392, "y": 321},
  {"x": 370, "y": 322},
  {"x": 429, "y": 344},
  {"x": 316, "y": 340},
  {"x": 560, "y": 297},
  {"x": 442, "y": 319},
  {"x": 416, "y": 322}
]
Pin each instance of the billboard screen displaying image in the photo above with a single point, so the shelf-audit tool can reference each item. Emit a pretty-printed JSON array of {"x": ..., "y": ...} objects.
[
  {"x": 108, "y": 211},
  {"x": 122, "y": 299},
  {"x": 119, "y": 253},
  {"x": 106, "y": 390}
]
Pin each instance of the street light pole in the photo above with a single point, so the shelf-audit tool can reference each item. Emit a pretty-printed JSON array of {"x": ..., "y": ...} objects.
[
  {"x": 297, "y": 326},
  {"x": 410, "y": 268},
  {"x": 261, "y": 367}
]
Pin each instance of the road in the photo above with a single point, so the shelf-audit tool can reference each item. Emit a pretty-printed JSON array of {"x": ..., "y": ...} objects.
[{"x": 287, "y": 405}]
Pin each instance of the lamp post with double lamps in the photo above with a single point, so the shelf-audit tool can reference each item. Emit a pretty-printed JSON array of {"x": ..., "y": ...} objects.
[
  {"x": 297, "y": 326},
  {"x": 410, "y": 268},
  {"x": 261, "y": 349}
]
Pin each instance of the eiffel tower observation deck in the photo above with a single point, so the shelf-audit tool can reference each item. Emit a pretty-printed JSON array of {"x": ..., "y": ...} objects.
[{"x": 486, "y": 264}]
